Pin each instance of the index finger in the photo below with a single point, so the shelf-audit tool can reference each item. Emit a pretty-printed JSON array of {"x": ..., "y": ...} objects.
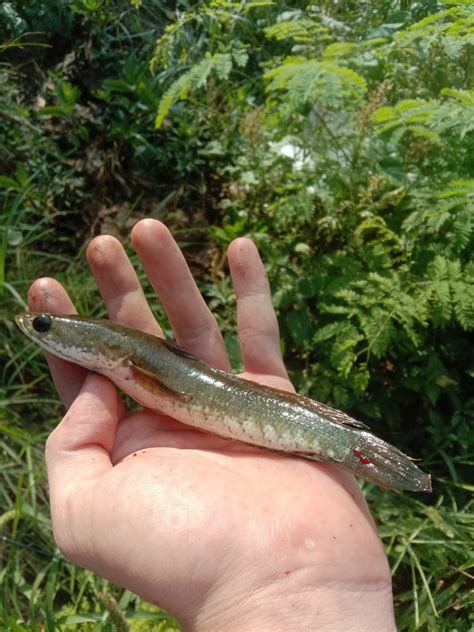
[
  {"x": 119, "y": 285},
  {"x": 47, "y": 295}
]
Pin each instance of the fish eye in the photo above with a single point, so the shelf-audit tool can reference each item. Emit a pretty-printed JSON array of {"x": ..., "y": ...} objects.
[{"x": 42, "y": 323}]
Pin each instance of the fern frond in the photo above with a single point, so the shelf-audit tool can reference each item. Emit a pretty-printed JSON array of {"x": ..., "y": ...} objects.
[
  {"x": 193, "y": 79},
  {"x": 406, "y": 113},
  {"x": 433, "y": 19},
  {"x": 457, "y": 188},
  {"x": 463, "y": 229},
  {"x": 379, "y": 331},
  {"x": 456, "y": 22},
  {"x": 301, "y": 30},
  {"x": 467, "y": 96},
  {"x": 339, "y": 49},
  {"x": 463, "y": 303},
  {"x": 256, "y": 4},
  {"x": 310, "y": 80},
  {"x": 455, "y": 114},
  {"x": 331, "y": 330},
  {"x": 344, "y": 348},
  {"x": 451, "y": 292},
  {"x": 222, "y": 65},
  {"x": 385, "y": 114},
  {"x": 346, "y": 73}
]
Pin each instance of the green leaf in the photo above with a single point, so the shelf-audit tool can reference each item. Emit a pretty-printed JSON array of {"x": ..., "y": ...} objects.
[
  {"x": 8, "y": 183},
  {"x": 56, "y": 110},
  {"x": 309, "y": 286},
  {"x": 300, "y": 326}
]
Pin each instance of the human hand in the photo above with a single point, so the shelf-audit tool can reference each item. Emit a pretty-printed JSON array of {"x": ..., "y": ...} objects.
[{"x": 223, "y": 535}]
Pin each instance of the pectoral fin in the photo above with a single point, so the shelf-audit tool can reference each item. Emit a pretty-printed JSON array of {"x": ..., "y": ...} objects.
[{"x": 154, "y": 385}]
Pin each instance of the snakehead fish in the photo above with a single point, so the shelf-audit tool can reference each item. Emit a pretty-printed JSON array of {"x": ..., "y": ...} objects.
[{"x": 168, "y": 379}]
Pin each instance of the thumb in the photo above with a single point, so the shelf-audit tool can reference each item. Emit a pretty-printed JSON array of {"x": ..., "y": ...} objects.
[{"x": 79, "y": 447}]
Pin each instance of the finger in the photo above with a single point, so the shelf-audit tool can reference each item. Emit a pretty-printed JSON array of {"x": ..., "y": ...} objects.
[
  {"x": 119, "y": 285},
  {"x": 47, "y": 295},
  {"x": 256, "y": 320},
  {"x": 194, "y": 326}
]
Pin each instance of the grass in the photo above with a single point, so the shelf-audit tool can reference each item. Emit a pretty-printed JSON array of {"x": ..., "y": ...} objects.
[{"x": 429, "y": 550}]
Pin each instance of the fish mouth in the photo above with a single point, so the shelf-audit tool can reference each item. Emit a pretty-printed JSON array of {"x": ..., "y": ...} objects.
[
  {"x": 24, "y": 323},
  {"x": 21, "y": 320}
]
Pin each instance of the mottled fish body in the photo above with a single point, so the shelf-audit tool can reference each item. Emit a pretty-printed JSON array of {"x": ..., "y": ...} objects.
[{"x": 165, "y": 378}]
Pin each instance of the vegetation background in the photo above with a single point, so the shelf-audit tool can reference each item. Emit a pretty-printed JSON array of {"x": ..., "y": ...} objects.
[{"x": 339, "y": 136}]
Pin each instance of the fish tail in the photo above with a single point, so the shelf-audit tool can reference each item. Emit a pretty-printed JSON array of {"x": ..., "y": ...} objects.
[{"x": 378, "y": 461}]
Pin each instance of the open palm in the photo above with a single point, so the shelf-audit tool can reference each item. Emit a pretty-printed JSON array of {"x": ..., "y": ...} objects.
[{"x": 224, "y": 535}]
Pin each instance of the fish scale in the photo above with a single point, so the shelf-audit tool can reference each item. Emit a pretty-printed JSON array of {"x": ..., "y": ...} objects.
[{"x": 168, "y": 379}]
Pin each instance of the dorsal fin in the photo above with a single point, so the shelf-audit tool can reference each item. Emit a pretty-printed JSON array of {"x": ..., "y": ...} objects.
[
  {"x": 179, "y": 351},
  {"x": 329, "y": 413},
  {"x": 334, "y": 415}
]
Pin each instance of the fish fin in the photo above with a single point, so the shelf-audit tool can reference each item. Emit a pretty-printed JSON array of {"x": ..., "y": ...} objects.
[
  {"x": 334, "y": 415},
  {"x": 312, "y": 456},
  {"x": 179, "y": 351},
  {"x": 331, "y": 414},
  {"x": 152, "y": 383}
]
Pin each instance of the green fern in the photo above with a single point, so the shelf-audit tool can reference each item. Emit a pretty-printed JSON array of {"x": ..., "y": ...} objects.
[
  {"x": 406, "y": 113},
  {"x": 450, "y": 293},
  {"x": 302, "y": 30},
  {"x": 445, "y": 220},
  {"x": 218, "y": 20},
  {"x": 466, "y": 96},
  {"x": 447, "y": 27},
  {"x": 458, "y": 188},
  {"x": 430, "y": 119},
  {"x": 377, "y": 311},
  {"x": 311, "y": 80},
  {"x": 193, "y": 80}
]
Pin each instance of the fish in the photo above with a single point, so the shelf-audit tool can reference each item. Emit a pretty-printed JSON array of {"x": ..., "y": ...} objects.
[{"x": 167, "y": 379}]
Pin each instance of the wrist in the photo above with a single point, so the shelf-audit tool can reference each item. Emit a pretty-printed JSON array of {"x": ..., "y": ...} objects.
[{"x": 330, "y": 608}]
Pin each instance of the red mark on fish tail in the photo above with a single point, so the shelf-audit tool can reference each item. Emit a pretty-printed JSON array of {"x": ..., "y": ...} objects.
[{"x": 363, "y": 459}]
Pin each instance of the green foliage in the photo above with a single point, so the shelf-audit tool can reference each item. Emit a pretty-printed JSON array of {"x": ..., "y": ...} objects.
[
  {"x": 309, "y": 80},
  {"x": 427, "y": 119},
  {"x": 433, "y": 542},
  {"x": 219, "y": 64}
]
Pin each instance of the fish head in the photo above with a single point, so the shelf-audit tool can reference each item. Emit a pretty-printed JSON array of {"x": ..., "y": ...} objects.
[{"x": 94, "y": 344}]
